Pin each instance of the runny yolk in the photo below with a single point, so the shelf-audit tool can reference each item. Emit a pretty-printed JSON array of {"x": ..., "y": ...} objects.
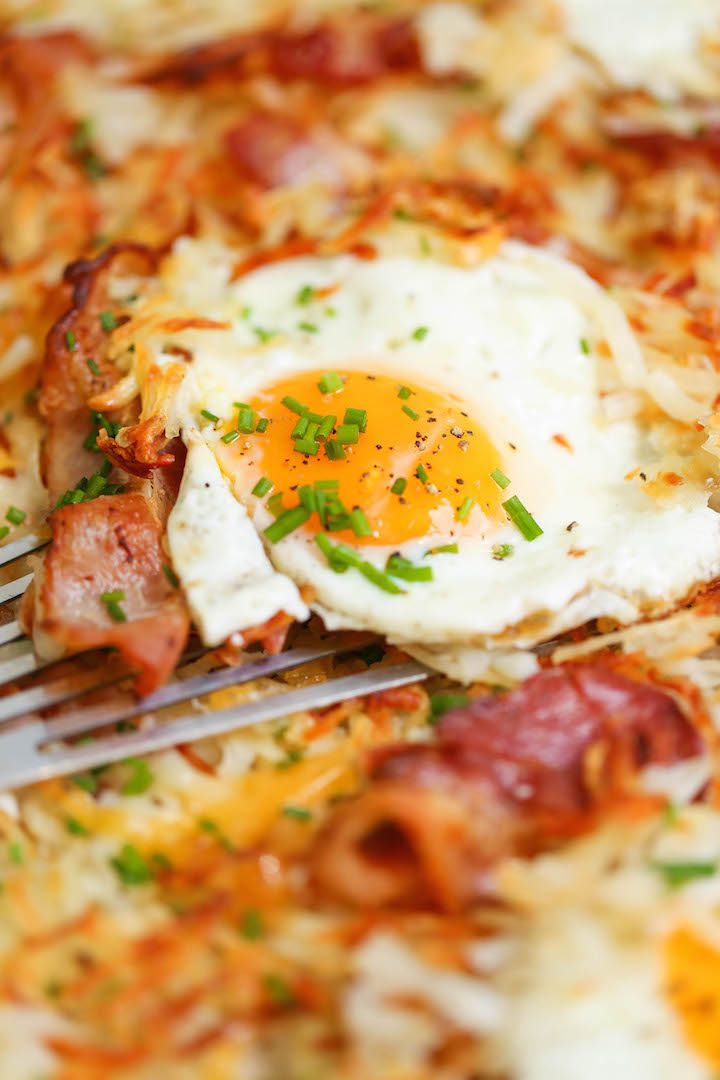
[{"x": 449, "y": 445}]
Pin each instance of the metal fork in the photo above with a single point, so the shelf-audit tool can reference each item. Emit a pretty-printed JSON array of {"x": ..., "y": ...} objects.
[{"x": 30, "y": 749}]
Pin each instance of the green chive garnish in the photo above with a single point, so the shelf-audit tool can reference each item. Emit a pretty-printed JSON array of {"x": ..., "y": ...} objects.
[
  {"x": 307, "y": 327},
  {"x": 92, "y": 366},
  {"x": 262, "y": 487},
  {"x": 404, "y": 392},
  {"x": 112, "y": 600},
  {"x": 443, "y": 702},
  {"x": 262, "y": 425},
  {"x": 15, "y": 516},
  {"x": 298, "y": 432},
  {"x": 252, "y": 926},
  {"x": 141, "y": 777},
  {"x": 246, "y": 421},
  {"x": 359, "y": 523},
  {"x": 334, "y": 450},
  {"x": 357, "y": 417},
  {"x": 377, "y": 577},
  {"x": 402, "y": 568},
  {"x": 4, "y": 531},
  {"x": 410, "y": 412},
  {"x": 171, "y": 576},
  {"x": 308, "y": 498},
  {"x": 263, "y": 335},
  {"x": 399, "y": 486},
  {"x": 305, "y": 295},
  {"x": 131, "y": 867},
  {"x": 314, "y": 418},
  {"x": 500, "y": 478},
  {"x": 677, "y": 874},
  {"x": 347, "y": 433},
  {"x": 502, "y": 551},
  {"x": 287, "y": 523},
  {"x": 297, "y": 813},
  {"x": 307, "y": 446},
  {"x": 107, "y": 321},
  {"x": 444, "y": 549},
  {"x": 420, "y": 333},
  {"x": 326, "y": 485},
  {"x": 231, "y": 436},
  {"x": 70, "y": 340},
  {"x": 464, "y": 508},
  {"x": 522, "y": 518},
  {"x": 330, "y": 383},
  {"x": 584, "y": 346},
  {"x": 294, "y": 405},
  {"x": 209, "y": 415},
  {"x": 275, "y": 504},
  {"x": 421, "y": 473},
  {"x": 326, "y": 427}
]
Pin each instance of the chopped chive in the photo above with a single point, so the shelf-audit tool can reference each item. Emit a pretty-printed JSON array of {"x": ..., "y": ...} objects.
[
  {"x": 112, "y": 600},
  {"x": 326, "y": 427},
  {"x": 307, "y": 446},
  {"x": 584, "y": 346},
  {"x": 131, "y": 867},
  {"x": 94, "y": 486},
  {"x": 377, "y": 577},
  {"x": 444, "y": 549},
  {"x": 399, "y": 486},
  {"x": 294, "y": 405},
  {"x": 275, "y": 504},
  {"x": 402, "y": 568},
  {"x": 297, "y": 813},
  {"x": 298, "y": 432},
  {"x": 305, "y": 295},
  {"x": 314, "y": 417},
  {"x": 337, "y": 521},
  {"x": 421, "y": 473},
  {"x": 209, "y": 415},
  {"x": 70, "y": 340},
  {"x": 279, "y": 991},
  {"x": 252, "y": 926},
  {"x": 330, "y": 383},
  {"x": 522, "y": 518},
  {"x": 359, "y": 523},
  {"x": 264, "y": 335},
  {"x": 424, "y": 245},
  {"x": 4, "y": 531},
  {"x": 331, "y": 312},
  {"x": 677, "y": 874},
  {"x": 141, "y": 777},
  {"x": 500, "y": 478},
  {"x": 326, "y": 485},
  {"x": 502, "y": 551},
  {"x": 307, "y": 327},
  {"x": 464, "y": 508},
  {"x": 262, "y": 425},
  {"x": 231, "y": 436},
  {"x": 240, "y": 405},
  {"x": 443, "y": 702},
  {"x": 308, "y": 498},
  {"x": 334, "y": 450},
  {"x": 287, "y": 523},
  {"x": 347, "y": 433},
  {"x": 15, "y": 852},
  {"x": 404, "y": 392},
  {"x": 246, "y": 312},
  {"x": 246, "y": 421},
  {"x": 15, "y": 516},
  {"x": 357, "y": 417},
  {"x": 312, "y": 431},
  {"x": 420, "y": 333},
  {"x": 262, "y": 487},
  {"x": 171, "y": 576},
  {"x": 107, "y": 321},
  {"x": 92, "y": 366},
  {"x": 75, "y": 827},
  {"x": 410, "y": 412}
]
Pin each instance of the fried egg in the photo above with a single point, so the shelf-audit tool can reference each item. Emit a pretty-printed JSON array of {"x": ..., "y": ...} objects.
[{"x": 432, "y": 452}]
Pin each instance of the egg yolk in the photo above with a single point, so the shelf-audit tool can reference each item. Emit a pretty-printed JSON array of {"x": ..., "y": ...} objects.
[
  {"x": 412, "y": 434},
  {"x": 692, "y": 972}
]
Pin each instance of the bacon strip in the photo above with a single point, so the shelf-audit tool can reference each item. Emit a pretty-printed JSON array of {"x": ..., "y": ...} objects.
[
  {"x": 337, "y": 54},
  {"x": 112, "y": 543},
  {"x": 507, "y": 774}
]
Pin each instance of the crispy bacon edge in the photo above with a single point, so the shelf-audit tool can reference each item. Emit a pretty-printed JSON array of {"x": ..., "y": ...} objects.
[
  {"x": 509, "y": 774},
  {"x": 112, "y": 543}
]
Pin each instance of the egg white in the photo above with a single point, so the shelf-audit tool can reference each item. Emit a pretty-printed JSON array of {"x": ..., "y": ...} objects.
[{"x": 509, "y": 340}]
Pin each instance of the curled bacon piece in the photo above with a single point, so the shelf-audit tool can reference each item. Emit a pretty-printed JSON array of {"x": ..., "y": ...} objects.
[
  {"x": 507, "y": 774},
  {"x": 111, "y": 544},
  {"x": 333, "y": 53},
  {"x": 68, "y": 381},
  {"x": 272, "y": 151}
]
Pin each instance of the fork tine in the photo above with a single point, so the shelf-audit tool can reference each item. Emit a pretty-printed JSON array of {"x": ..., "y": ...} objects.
[
  {"x": 10, "y": 632},
  {"x": 184, "y": 689},
  {"x": 23, "y": 546},
  {"x": 58, "y": 690},
  {"x": 17, "y": 659},
  {"x": 23, "y": 761},
  {"x": 14, "y": 588}
]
